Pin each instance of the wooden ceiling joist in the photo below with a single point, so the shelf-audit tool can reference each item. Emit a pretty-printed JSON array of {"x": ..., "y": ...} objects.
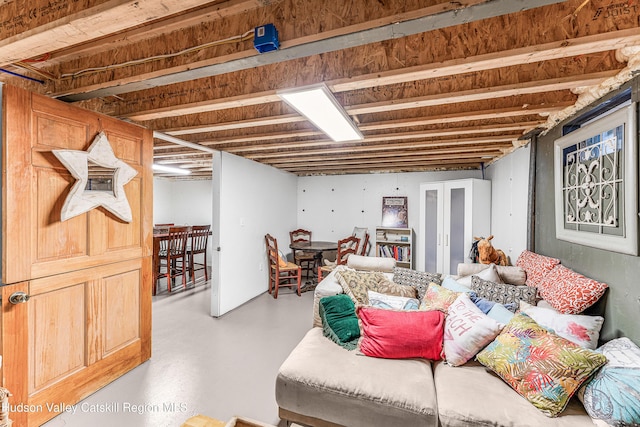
[
  {"x": 536, "y": 86},
  {"x": 463, "y": 116},
  {"x": 430, "y": 18},
  {"x": 386, "y": 147},
  {"x": 109, "y": 17},
  {"x": 388, "y": 137}
]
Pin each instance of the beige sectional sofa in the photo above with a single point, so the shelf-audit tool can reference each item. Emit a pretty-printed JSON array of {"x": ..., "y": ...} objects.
[{"x": 323, "y": 385}]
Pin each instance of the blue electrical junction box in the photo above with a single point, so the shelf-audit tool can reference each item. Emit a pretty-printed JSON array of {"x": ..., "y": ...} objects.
[{"x": 265, "y": 38}]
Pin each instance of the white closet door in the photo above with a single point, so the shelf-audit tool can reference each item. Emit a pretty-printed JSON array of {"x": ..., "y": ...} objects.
[
  {"x": 456, "y": 212},
  {"x": 432, "y": 236}
]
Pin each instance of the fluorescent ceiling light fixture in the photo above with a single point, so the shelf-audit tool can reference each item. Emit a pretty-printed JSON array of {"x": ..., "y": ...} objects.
[
  {"x": 319, "y": 106},
  {"x": 170, "y": 169}
]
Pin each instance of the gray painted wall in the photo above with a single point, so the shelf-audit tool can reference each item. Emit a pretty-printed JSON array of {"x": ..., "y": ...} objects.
[{"x": 621, "y": 272}]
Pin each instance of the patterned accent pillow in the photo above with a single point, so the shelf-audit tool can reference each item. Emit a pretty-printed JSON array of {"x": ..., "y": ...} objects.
[
  {"x": 392, "y": 302},
  {"x": 418, "y": 279},
  {"x": 536, "y": 266},
  {"x": 438, "y": 298},
  {"x": 339, "y": 320},
  {"x": 579, "y": 329},
  {"x": 503, "y": 293},
  {"x": 466, "y": 331},
  {"x": 611, "y": 397},
  {"x": 570, "y": 292},
  {"x": 401, "y": 334},
  {"x": 386, "y": 286},
  {"x": 541, "y": 366},
  {"x": 356, "y": 284}
]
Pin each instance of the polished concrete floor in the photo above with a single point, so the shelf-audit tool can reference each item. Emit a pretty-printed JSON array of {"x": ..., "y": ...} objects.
[{"x": 220, "y": 367}]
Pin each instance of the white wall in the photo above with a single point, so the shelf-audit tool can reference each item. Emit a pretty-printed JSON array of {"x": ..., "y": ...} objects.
[
  {"x": 509, "y": 200},
  {"x": 162, "y": 193},
  {"x": 254, "y": 199},
  {"x": 184, "y": 202},
  {"x": 330, "y": 206}
]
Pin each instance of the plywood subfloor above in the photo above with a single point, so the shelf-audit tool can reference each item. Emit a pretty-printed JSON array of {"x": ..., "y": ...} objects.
[{"x": 432, "y": 85}]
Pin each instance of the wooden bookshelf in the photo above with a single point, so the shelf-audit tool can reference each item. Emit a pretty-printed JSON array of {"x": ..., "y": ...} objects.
[{"x": 395, "y": 243}]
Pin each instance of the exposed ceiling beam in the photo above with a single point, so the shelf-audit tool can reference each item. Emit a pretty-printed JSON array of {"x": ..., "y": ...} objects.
[
  {"x": 433, "y": 17},
  {"x": 536, "y": 86},
  {"x": 390, "y": 137},
  {"x": 386, "y": 147},
  {"x": 106, "y": 18},
  {"x": 520, "y": 110},
  {"x": 208, "y": 13}
]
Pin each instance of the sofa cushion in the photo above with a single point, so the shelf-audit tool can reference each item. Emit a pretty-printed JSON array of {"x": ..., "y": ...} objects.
[
  {"x": 418, "y": 279},
  {"x": 579, "y": 329},
  {"x": 536, "y": 266},
  {"x": 490, "y": 273},
  {"x": 339, "y": 320},
  {"x": 508, "y": 273},
  {"x": 322, "y": 380},
  {"x": 401, "y": 334},
  {"x": 503, "y": 293},
  {"x": 470, "y": 395},
  {"x": 371, "y": 263},
  {"x": 611, "y": 397},
  {"x": 467, "y": 330},
  {"x": 570, "y": 292},
  {"x": 543, "y": 367}
]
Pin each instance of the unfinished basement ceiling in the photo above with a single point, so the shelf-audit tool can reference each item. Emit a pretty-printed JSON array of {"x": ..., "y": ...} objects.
[{"x": 432, "y": 85}]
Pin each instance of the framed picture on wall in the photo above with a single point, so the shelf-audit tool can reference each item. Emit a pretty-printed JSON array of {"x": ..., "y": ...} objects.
[
  {"x": 595, "y": 177},
  {"x": 394, "y": 212}
]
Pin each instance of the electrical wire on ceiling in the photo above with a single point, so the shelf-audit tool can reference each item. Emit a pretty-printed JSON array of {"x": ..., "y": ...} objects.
[{"x": 234, "y": 39}]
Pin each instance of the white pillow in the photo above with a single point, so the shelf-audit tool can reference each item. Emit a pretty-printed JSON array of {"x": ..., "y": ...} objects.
[
  {"x": 490, "y": 274},
  {"x": 577, "y": 328},
  {"x": 394, "y": 302},
  {"x": 467, "y": 330},
  {"x": 371, "y": 263}
]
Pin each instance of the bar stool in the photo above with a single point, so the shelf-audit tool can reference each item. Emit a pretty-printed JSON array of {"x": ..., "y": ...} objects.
[{"x": 199, "y": 239}]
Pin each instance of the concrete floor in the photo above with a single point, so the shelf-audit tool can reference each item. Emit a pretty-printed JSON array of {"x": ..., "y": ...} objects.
[{"x": 219, "y": 367}]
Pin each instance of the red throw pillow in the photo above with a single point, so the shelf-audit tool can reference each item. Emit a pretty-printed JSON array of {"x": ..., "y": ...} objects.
[
  {"x": 401, "y": 334},
  {"x": 570, "y": 292},
  {"x": 536, "y": 266}
]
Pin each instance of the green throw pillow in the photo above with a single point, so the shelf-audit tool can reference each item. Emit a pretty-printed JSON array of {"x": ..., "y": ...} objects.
[{"x": 339, "y": 320}]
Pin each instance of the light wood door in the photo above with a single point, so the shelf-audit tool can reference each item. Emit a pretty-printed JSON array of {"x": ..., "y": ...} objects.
[{"x": 88, "y": 317}]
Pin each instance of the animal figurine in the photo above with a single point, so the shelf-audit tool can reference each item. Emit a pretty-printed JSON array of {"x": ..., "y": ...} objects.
[{"x": 487, "y": 254}]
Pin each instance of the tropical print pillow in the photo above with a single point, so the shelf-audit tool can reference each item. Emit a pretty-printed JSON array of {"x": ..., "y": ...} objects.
[
  {"x": 438, "y": 298},
  {"x": 541, "y": 366}
]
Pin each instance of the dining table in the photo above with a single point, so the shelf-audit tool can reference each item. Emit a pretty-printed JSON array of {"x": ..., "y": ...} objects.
[{"x": 318, "y": 247}]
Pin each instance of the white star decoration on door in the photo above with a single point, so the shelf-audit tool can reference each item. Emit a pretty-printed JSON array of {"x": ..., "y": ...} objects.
[{"x": 81, "y": 200}]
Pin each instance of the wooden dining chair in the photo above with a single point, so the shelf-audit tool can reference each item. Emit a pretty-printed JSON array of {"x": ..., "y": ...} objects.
[
  {"x": 306, "y": 260},
  {"x": 362, "y": 233},
  {"x": 346, "y": 247},
  {"x": 173, "y": 257},
  {"x": 281, "y": 272},
  {"x": 199, "y": 240}
]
